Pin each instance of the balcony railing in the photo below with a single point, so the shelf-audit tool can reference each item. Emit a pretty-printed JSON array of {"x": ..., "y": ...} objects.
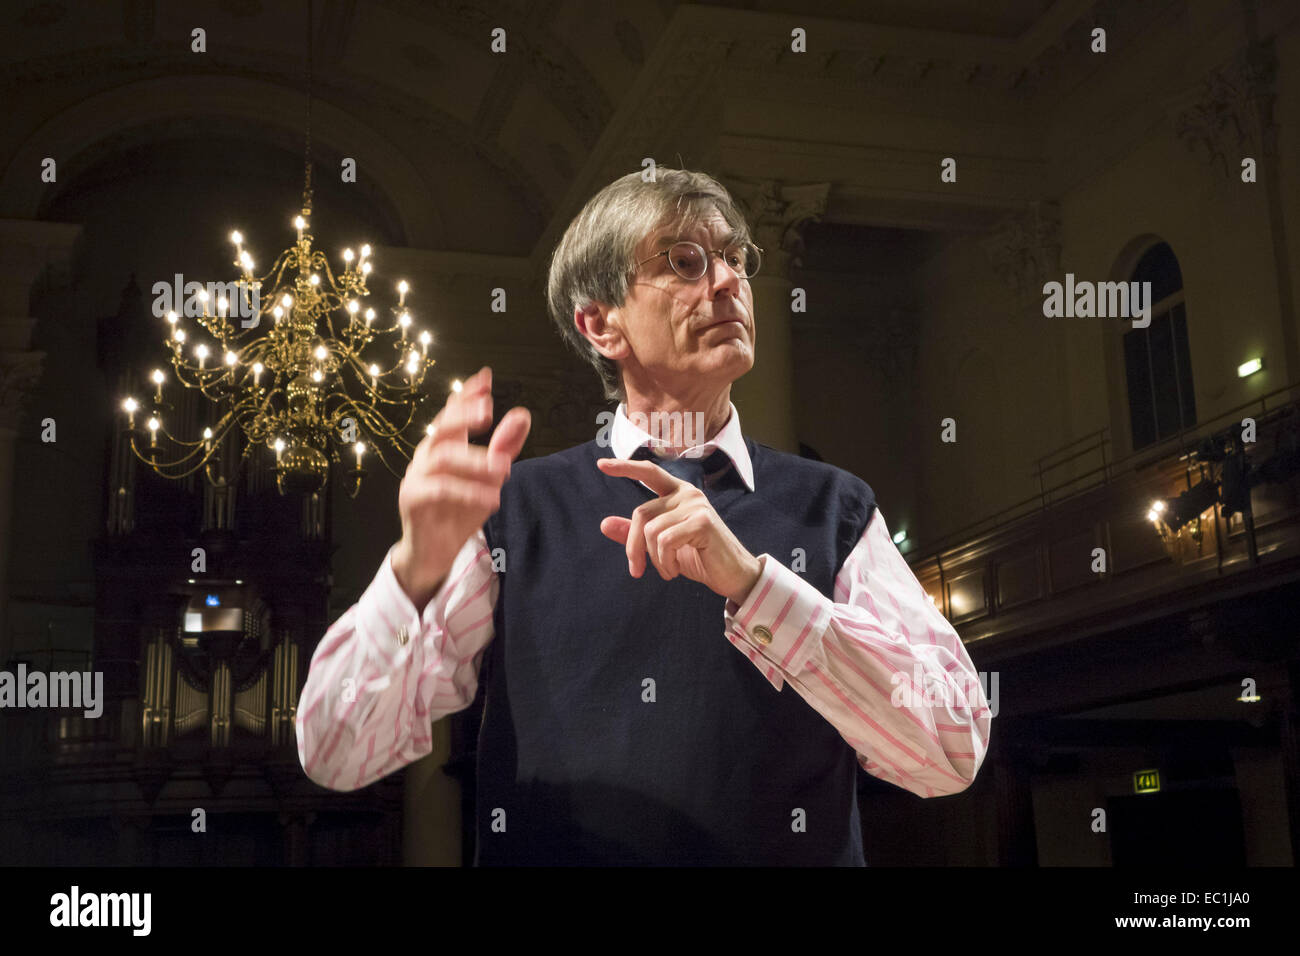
[{"x": 1036, "y": 563}]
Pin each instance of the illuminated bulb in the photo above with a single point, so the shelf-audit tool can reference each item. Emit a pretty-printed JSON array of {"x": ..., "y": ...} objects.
[
  {"x": 374, "y": 371},
  {"x": 278, "y": 313},
  {"x": 157, "y": 376},
  {"x": 316, "y": 376},
  {"x": 370, "y": 316},
  {"x": 287, "y": 301},
  {"x": 425, "y": 337},
  {"x": 404, "y": 319},
  {"x": 455, "y": 385},
  {"x": 171, "y": 317},
  {"x": 247, "y": 262},
  {"x": 402, "y": 287},
  {"x": 347, "y": 255},
  {"x": 321, "y": 353},
  {"x": 279, "y": 448},
  {"x": 203, "y": 295},
  {"x": 428, "y": 429},
  {"x": 360, "y": 449},
  {"x": 130, "y": 405},
  {"x": 207, "y": 434},
  {"x": 299, "y": 222},
  {"x": 153, "y": 424},
  {"x": 221, "y": 306},
  {"x": 231, "y": 359},
  {"x": 180, "y": 335},
  {"x": 236, "y": 238},
  {"x": 201, "y": 351},
  {"x": 365, "y": 268},
  {"x": 314, "y": 280},
  {"x": 365, "y": 250},
  {"x": 353, "y": 307}
]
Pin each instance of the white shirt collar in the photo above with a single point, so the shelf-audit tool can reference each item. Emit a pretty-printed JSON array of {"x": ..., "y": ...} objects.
[{"x": 626, "y": 437}]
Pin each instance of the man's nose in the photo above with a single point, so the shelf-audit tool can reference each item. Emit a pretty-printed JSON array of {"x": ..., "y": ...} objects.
[{"x": 722, "y": 276}]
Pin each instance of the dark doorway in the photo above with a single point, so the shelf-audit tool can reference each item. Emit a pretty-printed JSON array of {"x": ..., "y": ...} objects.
[{"x": 1179, "y": 828}]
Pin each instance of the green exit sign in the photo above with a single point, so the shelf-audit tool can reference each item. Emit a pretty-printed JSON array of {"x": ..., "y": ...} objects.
[{"x": 1146, "y": 781}]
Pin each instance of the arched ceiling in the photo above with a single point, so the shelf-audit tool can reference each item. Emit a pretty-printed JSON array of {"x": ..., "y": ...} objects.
[{"x": 481, "y": 151}]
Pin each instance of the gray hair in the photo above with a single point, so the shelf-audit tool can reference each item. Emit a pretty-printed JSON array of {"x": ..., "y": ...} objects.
[{"x": 594, "y": 259}]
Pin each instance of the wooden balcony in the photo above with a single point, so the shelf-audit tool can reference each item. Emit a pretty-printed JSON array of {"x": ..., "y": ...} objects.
[{"x": 1028, "y": 578}]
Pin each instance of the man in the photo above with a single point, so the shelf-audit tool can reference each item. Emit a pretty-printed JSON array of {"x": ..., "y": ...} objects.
[{"x": 619, "y": 726}]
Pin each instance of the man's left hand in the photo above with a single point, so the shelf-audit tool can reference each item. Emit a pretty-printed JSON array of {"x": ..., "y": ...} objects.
[{"x": 681, "y": 533}]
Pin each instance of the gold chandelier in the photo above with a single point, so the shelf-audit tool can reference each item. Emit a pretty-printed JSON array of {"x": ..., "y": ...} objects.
[
  {"x": 309, "y": 370},
  {"x": 293, "y": 361}
]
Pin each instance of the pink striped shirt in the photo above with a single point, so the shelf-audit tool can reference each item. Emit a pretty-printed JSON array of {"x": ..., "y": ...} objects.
[{"x": 879, "y": 661}]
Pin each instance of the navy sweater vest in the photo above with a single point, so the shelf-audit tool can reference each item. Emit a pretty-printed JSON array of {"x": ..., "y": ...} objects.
[{"x": 576, "y": 766}]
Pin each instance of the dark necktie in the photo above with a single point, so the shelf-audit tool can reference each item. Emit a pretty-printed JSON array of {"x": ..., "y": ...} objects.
[{"x": 703, "y": 473}]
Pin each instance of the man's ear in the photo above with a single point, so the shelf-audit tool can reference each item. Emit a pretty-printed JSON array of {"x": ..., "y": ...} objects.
[{"x": 601, "y": 325}]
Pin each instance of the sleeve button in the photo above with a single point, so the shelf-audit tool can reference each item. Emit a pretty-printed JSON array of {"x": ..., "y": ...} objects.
[{"x": 762, "y": 635}]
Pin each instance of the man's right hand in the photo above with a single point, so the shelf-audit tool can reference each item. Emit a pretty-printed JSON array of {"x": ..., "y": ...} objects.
[{"x": 452, "y": 486}]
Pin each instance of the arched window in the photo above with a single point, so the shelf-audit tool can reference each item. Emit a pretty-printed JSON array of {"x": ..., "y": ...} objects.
[{"x": 1157, "y": 360}]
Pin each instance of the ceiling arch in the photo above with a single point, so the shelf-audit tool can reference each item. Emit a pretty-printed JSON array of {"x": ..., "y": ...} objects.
[{"x": 79, "y": 128}]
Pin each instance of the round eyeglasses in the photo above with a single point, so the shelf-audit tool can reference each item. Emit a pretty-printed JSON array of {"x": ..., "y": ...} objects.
[{"x": 690, "y": 261}]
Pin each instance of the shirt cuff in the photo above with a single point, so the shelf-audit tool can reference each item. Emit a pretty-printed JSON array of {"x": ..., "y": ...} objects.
[
  {"x": 783, "y": 618},
  {"x": 389, "y": 619}
]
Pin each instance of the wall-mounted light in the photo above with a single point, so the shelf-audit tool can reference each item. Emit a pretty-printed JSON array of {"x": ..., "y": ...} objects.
[
  {"x": 900, "y": 537},
  {"x": 1173, "y": 513},
  {"x": 1246, "y": 369}
]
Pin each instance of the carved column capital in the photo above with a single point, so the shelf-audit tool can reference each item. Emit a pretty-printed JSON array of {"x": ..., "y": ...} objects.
[
  {"x": 1024, "y": 248},
  {"x": 1231, "y": 113},
  {"x": 565, "y": 403},
  {"x": 19, "y": 373},
  {"x": 777, "y": 214}
]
